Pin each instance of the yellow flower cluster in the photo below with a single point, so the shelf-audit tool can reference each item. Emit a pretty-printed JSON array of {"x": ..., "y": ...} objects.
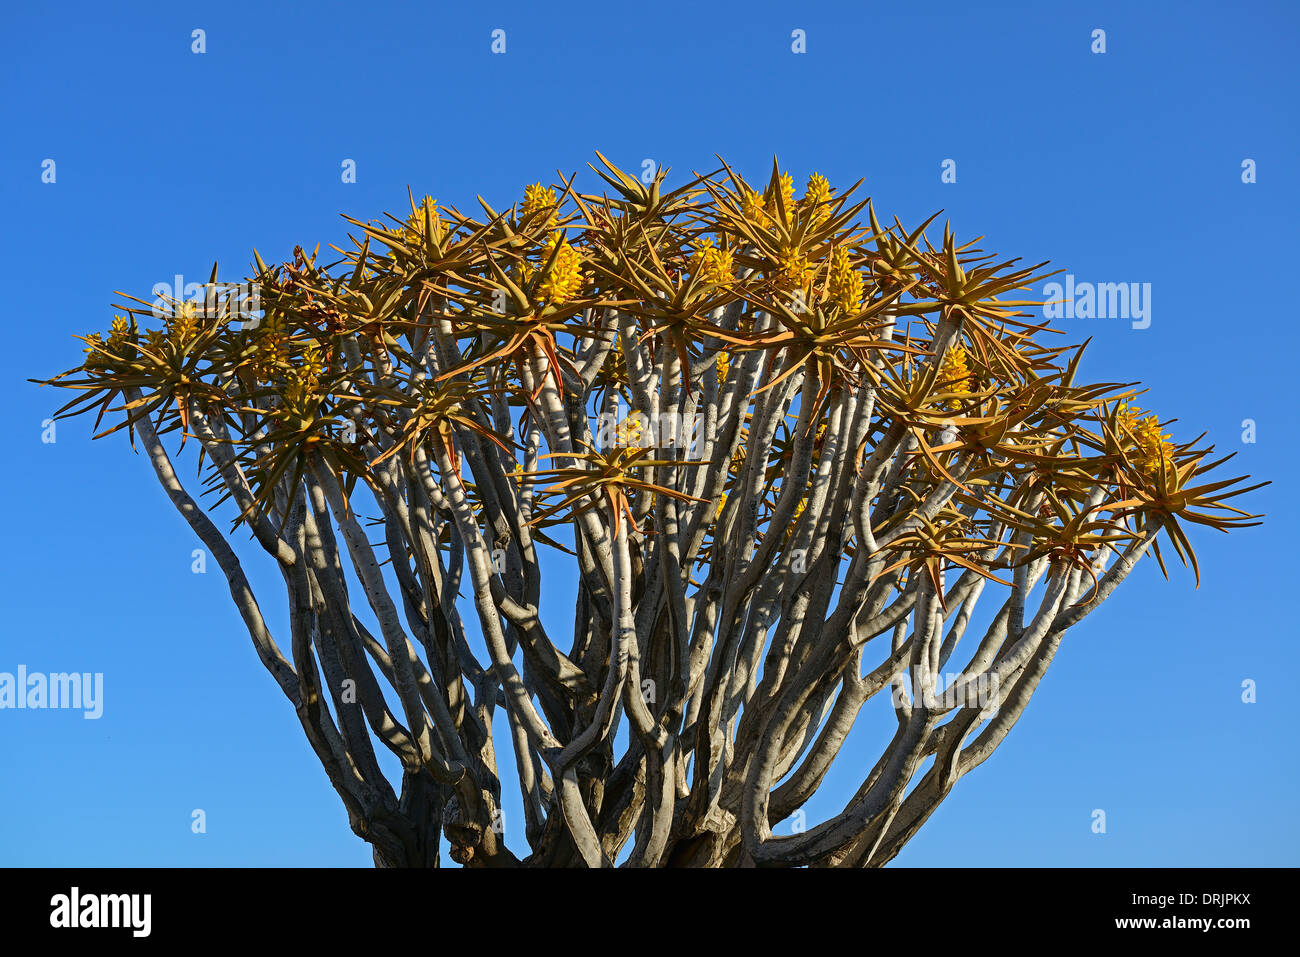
[
  {"x": 296, "y": 390},
  {"x": 184, "y": 319},
  {"x": 271, "y": 351},
  {"x": 415, "y": 225},
  {"x": 537, "y": 198},
  {"x": 787, "y": 195},
  {"x": 631, "y": 432},
  {"x": 1154, "y": 446},
  {"x": 762, "y": 208},
  {"x": 954, "y": 370},
  {"x": 751, "y": 205},
  {"x": 793, "y": 268},
  {"x": 712, "y": 264},
  {"x": 844, "y": 286},
  {"x": 723, "y": 361},
  {"x": 304, "y": 379},
  {"x": 815, "y": 196},
  {"x": 565, "y": 278}
]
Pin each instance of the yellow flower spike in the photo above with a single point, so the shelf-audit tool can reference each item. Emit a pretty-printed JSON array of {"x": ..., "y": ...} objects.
[
  {"x": 631, "y": 431},
  {"x": 954, "y": 372},
  {"x": 565, "y": 278},
  {"x": 723, "y": 363},
  {"x": 787, "y": 188},
  {"x": 816, "y": 195},
  {"x": 537, "y": 198},
  {"x": 792, "y": 270},
  {"x": 1154, "y": 447},
  {"x": 415, "y": 224},
  {"x": 119, "y": 328},
  {"x": 713, "y": 265},
  {"x": 184, "y": 318},
  {"x": 787, "y": 194},
  {"x": 1126, "y": 417},
  {"x": 295, "y": 391},
  {"x": 844, "y": 287},
  {"x": 751, "y": 205}
]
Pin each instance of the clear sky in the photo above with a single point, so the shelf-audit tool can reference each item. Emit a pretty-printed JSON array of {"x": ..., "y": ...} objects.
[{"x": 1122, "y": 166}]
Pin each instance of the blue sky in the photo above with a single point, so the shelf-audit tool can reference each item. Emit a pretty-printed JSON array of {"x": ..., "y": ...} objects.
[{"x": 1124, "y": 166}]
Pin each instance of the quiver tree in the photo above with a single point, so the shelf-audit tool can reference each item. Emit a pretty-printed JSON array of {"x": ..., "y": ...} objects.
[{"x": 780, "y": 453}]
